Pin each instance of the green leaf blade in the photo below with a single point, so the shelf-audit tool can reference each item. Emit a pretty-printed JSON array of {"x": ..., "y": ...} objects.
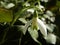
[{"x": 5, "y": 15}]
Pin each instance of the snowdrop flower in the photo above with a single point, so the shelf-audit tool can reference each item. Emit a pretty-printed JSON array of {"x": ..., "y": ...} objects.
[
  {"x": 40, "y": 7},
  {"x": 26, "y": 26},
  {"x": 31, "y": 10},
  {"x": 50, "y": 27},
  {"x": 22, "y": 20},
  {"x": 51, "y": 38},
  {"x": 52, "y": 19},
  {"x": 42, "y": 27},
  {"x": 34, "y": 34},
  {"x": 49, "y": 13},
  {"x": 36, "y": 22},
  {"x": 10, "y": 5},
  {"x": 26, "y": 4}
]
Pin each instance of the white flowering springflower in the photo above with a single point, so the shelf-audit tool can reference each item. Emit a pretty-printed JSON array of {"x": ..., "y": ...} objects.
[
  {"x": 40, "y": 7},
  {"x": 26, "y": 26},
  {"x": 31, "y": 10},
  {"x": 52, "y": 19},
  {"x": 22, "y": 20},
  {"x": 10, "y": 5},
  {"x": 49, "y": 13},
  {"x": 34, "y": 34},
  {"x": 51, "y": 38},
  {"x": 42, "y": 27},
  {"x": 43, "y": 19},
  {"x": 40, "y": 24},
  {"x": 50, "y": 27},
  {"x": 26, "y": 4},
  {"x": 36, "y": 23}
]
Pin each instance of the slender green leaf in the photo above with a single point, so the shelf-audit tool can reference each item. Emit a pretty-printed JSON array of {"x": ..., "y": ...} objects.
[{"x": 5, "y": 15}]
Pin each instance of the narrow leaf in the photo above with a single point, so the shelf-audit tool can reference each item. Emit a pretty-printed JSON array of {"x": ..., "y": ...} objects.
[{"x": 5, "y": 15}]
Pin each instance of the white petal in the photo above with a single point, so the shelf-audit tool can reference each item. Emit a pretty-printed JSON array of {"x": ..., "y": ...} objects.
[
  {"x": 23, "y": 20},
  {"x": 30, "y": 10},
  {"x": 26, "y": 26},
  {"x": 27, "y": 4},
  {"x": 42, "y": 27},
  {"x": 49, "y": 13},
  {"x": 50, "y": 27},
  {"x": 10, "y": 5},
  {"x": 51, "y": 38},
  {"x": 52, "y": 19},
  {"x": 43, "y": 19},
  {"x": 40, "y": 7},
  {"x": 34, "y": 34}
]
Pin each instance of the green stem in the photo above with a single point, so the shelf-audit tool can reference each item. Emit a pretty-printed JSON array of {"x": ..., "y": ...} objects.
[
  {"x": 18, "y": 14},
  {"x": 4, "y": 36},
  {"x": 39, "y": 2},
  {"x": 35, "y": 14},
  {"x": 20, "y": 39}
]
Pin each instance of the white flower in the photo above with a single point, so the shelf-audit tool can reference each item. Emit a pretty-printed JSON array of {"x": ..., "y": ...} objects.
[
  {"x": 27, "y": 4},
  {"x": 50, "y": 27},
  {"x": 49, "y": 13},
  {"x": 51, "y": 38},
  {"x": 26, "y": 26},
  {"x": 22, "y": 20},
  {"x": 40, "y": 7},
  {"x": 31, "y": 10},
  {"x": 42, "y": 27},
  {"x": 34, "y": 34},
  {"x": 10, "y": 5}
]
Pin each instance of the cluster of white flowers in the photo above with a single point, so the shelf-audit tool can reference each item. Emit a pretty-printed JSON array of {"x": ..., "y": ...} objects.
[{"x": 51, "y": 38}]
